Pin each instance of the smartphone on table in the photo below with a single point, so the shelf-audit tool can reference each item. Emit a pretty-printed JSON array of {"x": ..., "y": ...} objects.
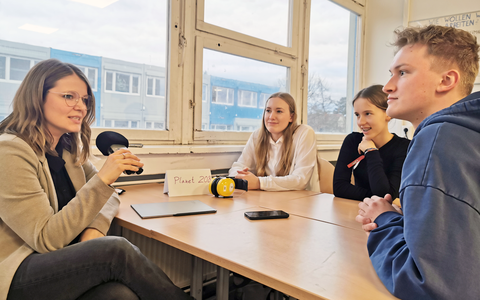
[{"x": 266, "y": 214}]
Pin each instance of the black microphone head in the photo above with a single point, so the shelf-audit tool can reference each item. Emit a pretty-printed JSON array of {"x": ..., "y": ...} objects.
[{"x": 106, "y": 139}]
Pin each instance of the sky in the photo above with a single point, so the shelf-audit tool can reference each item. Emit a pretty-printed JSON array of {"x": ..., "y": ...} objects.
[
  {"x": 329, "y": 32},
  {"x": 123, "y": 30},
  {"x": 136, "y": 31}
]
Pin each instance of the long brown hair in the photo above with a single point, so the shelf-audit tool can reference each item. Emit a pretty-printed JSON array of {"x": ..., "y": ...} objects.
[
  {"x": 27, "y": 120},
  {"x": 263, "y": 140}
]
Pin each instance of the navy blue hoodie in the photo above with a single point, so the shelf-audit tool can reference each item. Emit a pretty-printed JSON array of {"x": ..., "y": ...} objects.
[{"x": 433, "y": 250}]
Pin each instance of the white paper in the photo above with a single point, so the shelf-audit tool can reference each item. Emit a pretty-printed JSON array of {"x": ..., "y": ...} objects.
[{"x": 187, "y": 182}]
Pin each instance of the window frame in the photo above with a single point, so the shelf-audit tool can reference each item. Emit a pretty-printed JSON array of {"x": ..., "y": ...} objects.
[
  {"x": 252, "y": 95},
  {"x": 5, "y": 69},
  {"x": 229, "y": 91},
  {"x": 188, "y": 35},
  {"x": 8, "y": 67},
  {"x": 261, "y": 100},
  {"x": 154, "y": 86},
  {"x": 95, "y": 87},
  {"x": 130, "y": 84},
  {"x": 354, "y": 80}
]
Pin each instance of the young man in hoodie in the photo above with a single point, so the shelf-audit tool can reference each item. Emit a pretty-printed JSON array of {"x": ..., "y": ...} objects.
[{"x": 432, "y": 250}]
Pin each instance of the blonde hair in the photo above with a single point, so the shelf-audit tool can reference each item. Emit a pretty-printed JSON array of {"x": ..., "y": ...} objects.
[
  {"x": 448, "y": 47},
  {"x": 27, "y": 120},
  {"x": 263, "y": 140}
]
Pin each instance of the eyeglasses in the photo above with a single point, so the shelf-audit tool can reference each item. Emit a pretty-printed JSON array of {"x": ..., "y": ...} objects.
[{"x": 71, "y": 98}]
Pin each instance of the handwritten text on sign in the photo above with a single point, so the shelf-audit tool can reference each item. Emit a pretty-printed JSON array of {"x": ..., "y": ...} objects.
[
  {"x": 468, "y": 21},
  {"x": 187, "y": 182}
]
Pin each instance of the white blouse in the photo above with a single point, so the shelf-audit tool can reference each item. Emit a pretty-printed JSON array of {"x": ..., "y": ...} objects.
[{"x": 303, "y": 173}]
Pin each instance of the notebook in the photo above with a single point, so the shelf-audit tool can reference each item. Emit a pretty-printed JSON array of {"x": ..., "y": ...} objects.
[{"x": 176, "y": 208}]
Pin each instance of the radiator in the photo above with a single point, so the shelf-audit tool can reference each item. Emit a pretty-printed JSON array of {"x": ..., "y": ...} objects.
[{"x": 175, "y": 263}]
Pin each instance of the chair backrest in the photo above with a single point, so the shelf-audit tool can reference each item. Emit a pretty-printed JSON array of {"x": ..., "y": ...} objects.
[{"x": 325, "y": 175}]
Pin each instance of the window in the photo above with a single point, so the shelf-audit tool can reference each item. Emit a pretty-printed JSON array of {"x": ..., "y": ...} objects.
[
  {"x": 204, "y": 92},
  {"x": 3, "y": 66},
  {"x": 263, "y": 100},
  {"x": 330, "y": 41},
  {"x": 222, "y": 95},
  {"x": 109, "y": 81},
  {"x": 217, "y": 60},
  {"x": 158, "y": 87},
  {"x": 155, "y": 125},
  {"x": 135, "y": 84},
  {"x": 247, "y": 128},
  {"x": 150, "y": 86},
  {"x": 123, "y": 83},
  {"x": 155, "y": 86},
  {"x": 233, "y": 76},
  {"x": 121, "y": 124},
  {"x": 19, "y": 68},
  {"x": 116, "y": 56},
  {"x": 247, "y": 98},
  {"x": 13, "y": 68},
  {"x": 220, "y": 127},
  {"x": 91, "y": 74},
  {"x": 260, "y": 14}
]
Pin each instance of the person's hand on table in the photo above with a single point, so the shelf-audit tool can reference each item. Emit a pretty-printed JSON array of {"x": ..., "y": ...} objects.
[
  {"x": 371, "y": 208},
  {"x": 367, "y": 224},
  {"x": 253, "y": 181}
]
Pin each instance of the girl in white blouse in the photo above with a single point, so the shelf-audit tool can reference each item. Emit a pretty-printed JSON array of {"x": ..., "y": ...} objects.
[{"x": 280, "y": 155}]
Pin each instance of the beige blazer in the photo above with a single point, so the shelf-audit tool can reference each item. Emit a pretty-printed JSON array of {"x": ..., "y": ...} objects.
[{"x": 29, "y": 217}]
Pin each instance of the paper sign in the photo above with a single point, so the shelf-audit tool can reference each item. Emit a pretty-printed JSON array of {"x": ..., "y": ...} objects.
[{"x": 187, "y": 182}]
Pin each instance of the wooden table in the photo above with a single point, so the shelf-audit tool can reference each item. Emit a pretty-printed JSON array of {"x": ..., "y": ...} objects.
[
  {"x": 320, "y": 207},
  {"x": 299, "y": 256}
]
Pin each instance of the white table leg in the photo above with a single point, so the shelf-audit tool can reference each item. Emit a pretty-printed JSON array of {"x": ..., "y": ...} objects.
[
  {"x": 223, "y": 276},
  {"x": 196, "y": 285}
]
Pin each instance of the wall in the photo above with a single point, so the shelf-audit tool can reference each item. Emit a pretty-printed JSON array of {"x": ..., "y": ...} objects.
[
  {"x": 427, "y": 9},
  {"x": 382, "y": 18}
]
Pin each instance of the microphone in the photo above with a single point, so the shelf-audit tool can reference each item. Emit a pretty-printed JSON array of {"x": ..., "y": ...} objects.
[{"x": 109, "y": 142}]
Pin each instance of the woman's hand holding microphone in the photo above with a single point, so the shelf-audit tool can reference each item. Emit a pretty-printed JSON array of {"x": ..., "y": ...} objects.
[{"x": 118, "y": 162}]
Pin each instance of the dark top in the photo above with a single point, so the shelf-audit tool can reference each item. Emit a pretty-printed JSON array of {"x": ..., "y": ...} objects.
[
  {"x": 379, "y": 173},
  {"x": 62, "y": 182}
]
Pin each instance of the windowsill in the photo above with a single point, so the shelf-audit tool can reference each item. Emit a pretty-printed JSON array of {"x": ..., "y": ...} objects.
[
  {"x": 179, "y": 149},
  {"x": 199, "y": 149}
]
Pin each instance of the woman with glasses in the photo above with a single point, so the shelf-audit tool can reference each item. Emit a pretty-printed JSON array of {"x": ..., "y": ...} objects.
[{"x": 56, "y": 208}]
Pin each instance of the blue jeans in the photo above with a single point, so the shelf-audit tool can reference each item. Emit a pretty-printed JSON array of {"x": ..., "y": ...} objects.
[{"x": 103, "y": 268}]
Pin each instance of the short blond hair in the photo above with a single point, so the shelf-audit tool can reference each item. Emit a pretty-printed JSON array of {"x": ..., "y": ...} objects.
[{"x": 448, "y": 46}]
